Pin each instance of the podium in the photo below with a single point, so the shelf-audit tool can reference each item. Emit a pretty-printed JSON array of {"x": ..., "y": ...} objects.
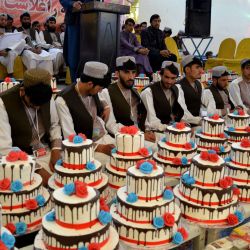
[{"x": 100, "y": 32}]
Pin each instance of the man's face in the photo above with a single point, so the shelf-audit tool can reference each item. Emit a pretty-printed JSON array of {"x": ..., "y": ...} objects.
[
  {"x": 37, "y": 27},
  {"x": 168, "y": 79},
  {"x": 156, "y": 23},
  {"x": 3, "y": 21},
  {"x": 26, "y": 22},
  {"x": 62, "y": 27},
  {"x": 129, "y": 27},
  {"x": 51, "y": 26},
  {"x": 143, "y": 26},
  {"x": 222, "y": 82},
  {"x": 9, "y": 22},
  {"x": 194, "y": 71},
  {"x": 94, "y": 89},
  {"x": 246, "y": 72},
  {"x": 127, "y": 78}
]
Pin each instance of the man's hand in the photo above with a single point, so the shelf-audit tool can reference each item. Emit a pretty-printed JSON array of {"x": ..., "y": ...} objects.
[
  {"x": 105, "y": 114},
  {"x": 143, "y": 51},
  {"x": 77, "y": 5},
  {"x": 105, "y": 148},
  {"x": 3, "y": 53},
  {"x": 165, "y": 53},
  {"x": 150, "y": 136},
  {"x": 45, "y": 176},
  {"x": 54, "y": 157}
]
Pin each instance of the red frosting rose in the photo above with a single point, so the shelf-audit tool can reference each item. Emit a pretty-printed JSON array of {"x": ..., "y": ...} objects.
[
  {"x": 168, "y": 219},
  {"x": 217, "y": 149},
  {"x": 153, "y": 163},
  {"x": 31, "y": 204},
  {"x": 71, "y": 137},
  {"x": 188, "y": 146},
  {"x": 138, "y": 164},
  {"x": 22, "y": 156},
  {"x": 248, "y": 129},
  {"x": 241, "y": 112},
  {"x": 11, "y": 227},
  {"x": 2, "y": 246},
  {"x": 83, "y": 136},
  {"x": 223, "y": 183},
  {"x": 232, "y": 219},
  {"x": 222, "y": 135},
  {"x": 215, "y": 117},
  {"x": 168, "y": 188},
  {"x": 12, "y": 156},
  {"x": 184, "y": 232},
  {"x": 245, "y": 143},
  {"x": 7, "y": 79},
  {"x": 229, "y": 180},
  {"x": 236, "y": 191},
  {"x": 131, "y": 130},
  {"x": 81, "y": 189},
  {"x": 144, "y": 152},
  {"x": 177, "y": 161},
  {"x": 5, "y": 184},
  {"x": 213, "y": 157},
  {"x": 180, "y": 125},
  {"x": 204, "y": 155},
  {"x": 94, "y": 246},
  {"x": 103, "y": 205}
]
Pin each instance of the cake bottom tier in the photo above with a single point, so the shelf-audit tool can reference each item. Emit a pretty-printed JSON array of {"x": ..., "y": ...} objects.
[
  {"x": 216, "y": 215},
  {"x": 116, "y": 179}
]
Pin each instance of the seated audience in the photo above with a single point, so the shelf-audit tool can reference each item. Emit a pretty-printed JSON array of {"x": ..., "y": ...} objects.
[
  {"x": 143, "y": 25},
  {"x": 9, "y": 26},
  {"x": 36, "y": 26},
  {"x": 167, "y": 32}
]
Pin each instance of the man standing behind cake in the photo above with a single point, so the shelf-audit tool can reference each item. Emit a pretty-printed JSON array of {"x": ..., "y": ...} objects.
[
  {"x": 29, "y": 120},
  {"x": 216, "y": 98},
  {"x": 240, "y": 88},
  {"x": 161, "y": 99},
  {"x": 80, "y": 109}
]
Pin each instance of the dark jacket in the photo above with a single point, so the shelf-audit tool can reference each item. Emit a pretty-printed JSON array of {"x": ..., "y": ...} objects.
[{"x": 48, "y": 39}]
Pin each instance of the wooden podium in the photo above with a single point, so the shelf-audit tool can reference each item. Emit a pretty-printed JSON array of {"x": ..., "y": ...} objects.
[{"x": 100, "y": 32}]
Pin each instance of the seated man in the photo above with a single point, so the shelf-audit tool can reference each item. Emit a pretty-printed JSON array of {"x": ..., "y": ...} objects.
[
  {"x": 29, "y": 120},
  {"x": 239, "y": 89},
  {"x": 126, "y": 108},
  {"x": 80, "y": 109},
  {"x": 161, "y": 99},
  {"x": 216, "y": 98},
  {"x": 153, "y": 39},
  {"x": 129, "y": 46},
  {"x": 9, "y": 27}
]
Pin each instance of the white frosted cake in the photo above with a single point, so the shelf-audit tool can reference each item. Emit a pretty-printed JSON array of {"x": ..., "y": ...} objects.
[
  {"x": 79, "y": 164},
  {"x": 212, "y": 136},
  {"x": 176, "y": 150},
  {"x": 53, "y": 84},
  {"x": 23, "y": 198},
  {"x": 141, "y": 82},
  {"x": 80, "y": 220},
  {"x": 206, "y": 194},
  {"x": 145, "y": 213},
  {"x": 8, "y": 83},
  {"x": 239, "y": 168},
  {"x": 129, "y": 150},
  {"x": 238, "y": 125}
]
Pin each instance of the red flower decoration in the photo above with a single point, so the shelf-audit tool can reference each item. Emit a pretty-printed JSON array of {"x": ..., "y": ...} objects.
[
  {"x": 130, "y": 130},
  {"x": 168, "y": 188},
  {"x": 184, "y": 232},
  {"x": 103, "y": 205},
  {"x": 232, "y": 219},
  {"x": 168, "y": 219},
  {"x": 236, "y": 191},
  {"x": 138, "y": 164},
  {"x": 245, "y": 143},
  {"x": 177, "y": 161},
  {"x": 84, "y": 137},
  {"x": 188, "y": 146},
  {"x": 180, "y": 125},
  {"x": 7, "y": 79},
  {"x": 223, "y": 183},
  {"x": 213, "y": 157},
  {"x": 22, "y": 156},
  {"x": 153, "y": 163},
  {"x": 144, "y": 152},
  {"x": 12, "y": 156},
  {"x": 31, "y": 204},
  {"x": 204, "y": 155},
  {"x": 81, "y": 189},
  {"x": 11, "y": 227},
  {"x": 94, "y": 246},
  {"x": 215, "y": 117},
  {"x": 5, "y": 184},
  {"x": 217, "y": 149},
  {"x": 229, "y": 180},
  {"x": 71, "y": 137},
  {"x": 247, "y": 129},
  {"x": 222, "y": 135},
  {"x": 241, "y": 112},
  {"x": 2, "y": 246}
]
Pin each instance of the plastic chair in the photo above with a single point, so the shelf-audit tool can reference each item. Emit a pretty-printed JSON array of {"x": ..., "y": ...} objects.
[
  {"x": 68, "y": 78},
  {"x": 243, "y": 51},
  {"x": 172, "y": 47},
  {"x": 226, "y": 51},
  {"x": 138, "y": 37}
]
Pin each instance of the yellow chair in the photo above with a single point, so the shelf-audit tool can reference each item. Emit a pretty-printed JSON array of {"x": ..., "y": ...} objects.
[
  {"x": 19, "y": 69},
  {"x": 172, "y": 47},
  {"x": 68, "y": 78},
  {"x": 226, "y": 51},
  {"x": 243, "y": 51},
  {"x": 138, "y": 37}
]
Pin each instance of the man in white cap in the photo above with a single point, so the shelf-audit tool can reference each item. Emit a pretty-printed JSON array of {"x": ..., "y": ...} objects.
[
  {"x": 80, "y": 109},
  {"x": 190, "y": 90},
  {"x": 125, "y": 104},
  {"x": 161, "y": 99},
  {"x": 216, "y": 98},
  {"x": 240, "y": 88}
]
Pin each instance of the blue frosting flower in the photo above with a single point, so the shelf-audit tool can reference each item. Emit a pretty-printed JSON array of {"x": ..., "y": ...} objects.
[
  {"x": 8, "y": 240},
  {"x": 132, "y": 198},
  {"x": 177, "y": 238},
  {"x": 16, "y": 186},
  {"x": 40, "y": 200},
  {"x": 231, "y": 129},
  {"x": 158, "y": 222},
  {"x": 82, "y": 248},
  {"x": 59, "y": 162},
  {"x": 211, "y": 151},
  {"x": 77, "y": 139},
  {"x": 192, "y": 144},
  {"x": 174, "y": 124},
  {"x": 210, "y": 115},
  {"x": 104, "y": 217},
  {"x": 90, "y": 166},
  {"x": 146, "y": 168},
  {"x": 69, "y": 189},
  {"x": 16, "y": 149},
  {"x": 168, "y": 195},
  {"x": 227, "y": 159},
  {"x": 184, "y": 160},
  {"x": 113, "y": 151},
  {"x": 51, "y": 216},
  {"x": 199, "y": 131},
  {"x": 21, "y": 228},
  {"x": 185, "y": 177},
  {"x": 13, "y": 79},
  {"x": 236, "y": 112},
  {"x": 190, "y": 181},
  {"x": 239, "y": 215},
  {"x": 222, "y": 149},
  {"x": 164, "y": 139}
]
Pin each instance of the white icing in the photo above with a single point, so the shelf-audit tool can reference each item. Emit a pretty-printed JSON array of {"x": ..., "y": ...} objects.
[
  {"x": 238, "y": 123},
  {"x": 212, "y": 127},
  {"x": 239, "y": 156},
  {"x": 116, "y": 179},
  {"x": 141, "y": 81},
  {"x": 7, "y": 85},
  {"x": 181, "y": 138}
]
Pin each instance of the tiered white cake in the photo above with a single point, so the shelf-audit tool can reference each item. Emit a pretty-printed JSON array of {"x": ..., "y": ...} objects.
[
  {"x": 145, "y": 213},
  {"x": 238, "y": 126},
  {"x": 79, "y": 164},
  {"x": 212, "y": 136},
  {"x": 80, "y": 220},
  {"x": 8, "y": 83},
  {"x": 176, "y": 150},
  {"x": 23, "y": 198},
  {"x": 206, "y": 194},
  {"x": 129, "y": 149}
]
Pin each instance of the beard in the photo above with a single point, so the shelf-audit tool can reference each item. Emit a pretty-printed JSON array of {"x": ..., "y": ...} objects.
[
  {"x": 126, "y": 84},
  {"x": 26, "y": 25},
  {"x": 52, "y": 29}
]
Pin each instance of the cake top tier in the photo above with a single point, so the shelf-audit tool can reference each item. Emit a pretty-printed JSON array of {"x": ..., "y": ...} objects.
[
  {"x": 243, "y": 145},
  {"x": 129, "y": 130},
  {"x": 77, "y": 140},
  {"x": 10, "y": 80},
  {"x": 209, "y": 158},
  {"x": 238, "y": 113},
  {"x": 214, "y": 118},
  {"x": 180, "y": 127},
  {"x": 16, "y": 155}
]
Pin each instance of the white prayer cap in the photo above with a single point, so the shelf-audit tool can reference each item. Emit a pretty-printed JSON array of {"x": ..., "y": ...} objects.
[
  {"x": 190, "y": 59},
  {"x": 95, "y": 69},
  {"x": 3, "y": 14},
  {"x": 244, "y": 62},
  {"x": 124, "y": 59},
  {"x": 219, "y": 71},
  {"x": 168, "y": 63}
]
